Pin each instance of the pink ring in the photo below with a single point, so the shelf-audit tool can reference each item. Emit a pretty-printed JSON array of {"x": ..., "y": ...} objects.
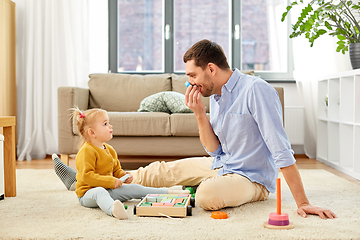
[{"x": 279, "y": 217}]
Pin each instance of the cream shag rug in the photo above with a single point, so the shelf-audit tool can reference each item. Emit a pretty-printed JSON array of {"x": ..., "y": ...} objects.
[{"x": 44, "y": 209}]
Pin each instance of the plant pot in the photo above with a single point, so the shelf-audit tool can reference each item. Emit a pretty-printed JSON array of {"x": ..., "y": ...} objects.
[{"x": 354, "y": 52}]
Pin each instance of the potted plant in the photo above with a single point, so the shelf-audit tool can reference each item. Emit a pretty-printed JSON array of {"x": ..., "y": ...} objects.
[{"x": 335, "y": 18}]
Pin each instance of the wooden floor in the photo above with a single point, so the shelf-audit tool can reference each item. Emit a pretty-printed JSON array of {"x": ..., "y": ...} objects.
[{"x": 127, "y": 163}]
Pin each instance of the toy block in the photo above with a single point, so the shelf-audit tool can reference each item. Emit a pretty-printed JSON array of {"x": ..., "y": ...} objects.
[
  {"x": 151, "y": 199},
  {"x": 168, "y": 204},
  {"x": 157, "y": 204},
  {"x": 178, "y": 200},
  {"x": 146, "y": 204},
  {"x": 179, "y": 204}
]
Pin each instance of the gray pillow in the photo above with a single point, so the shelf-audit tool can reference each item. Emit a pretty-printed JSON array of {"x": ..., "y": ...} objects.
[{"x": 169, "y": 102}]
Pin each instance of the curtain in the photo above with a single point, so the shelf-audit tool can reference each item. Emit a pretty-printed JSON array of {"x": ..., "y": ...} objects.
[
  {"x": 52, "y": 51},
  {"x": 311, "y": 64}
]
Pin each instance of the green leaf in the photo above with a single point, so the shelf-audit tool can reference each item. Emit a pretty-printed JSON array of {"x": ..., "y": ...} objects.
[
  {"x": 341, "y": 37},
  {"x": 321, "y": 32},
  {"x": 327, "y": 25}
]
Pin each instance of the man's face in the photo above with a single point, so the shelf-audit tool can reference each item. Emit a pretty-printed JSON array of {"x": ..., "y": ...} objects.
[{"x": 200, "y": 78}]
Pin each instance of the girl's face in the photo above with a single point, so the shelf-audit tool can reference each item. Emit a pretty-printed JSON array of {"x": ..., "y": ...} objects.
[{"x": 102, "y": 129}]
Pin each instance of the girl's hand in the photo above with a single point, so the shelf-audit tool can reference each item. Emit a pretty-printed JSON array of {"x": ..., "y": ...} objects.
[
  {"x": 118, "y": 183},
  {"x": 129, "y": 180}
]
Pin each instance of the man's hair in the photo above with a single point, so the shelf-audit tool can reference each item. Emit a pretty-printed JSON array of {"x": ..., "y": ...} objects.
[{"x": 206, "y": 51}]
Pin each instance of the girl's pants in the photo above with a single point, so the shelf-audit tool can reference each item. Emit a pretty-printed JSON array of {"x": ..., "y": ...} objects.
[
  {"x": 214, "y": 192},
  {"x": 104, "y": 198}
]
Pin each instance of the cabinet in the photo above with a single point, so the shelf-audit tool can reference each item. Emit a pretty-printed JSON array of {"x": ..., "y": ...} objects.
[
  {"x": 338, "y": 129},
  {"x": 7, "y": 59}
]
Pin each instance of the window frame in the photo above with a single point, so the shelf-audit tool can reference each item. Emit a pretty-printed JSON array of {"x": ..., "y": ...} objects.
[{"x": 168, "y": 19}]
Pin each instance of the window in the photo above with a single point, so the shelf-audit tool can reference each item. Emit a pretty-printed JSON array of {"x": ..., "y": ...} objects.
[{"x": 151, "y": 36}]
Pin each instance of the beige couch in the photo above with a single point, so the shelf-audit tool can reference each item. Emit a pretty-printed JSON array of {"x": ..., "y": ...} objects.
[{"x": 135, "y": 133}]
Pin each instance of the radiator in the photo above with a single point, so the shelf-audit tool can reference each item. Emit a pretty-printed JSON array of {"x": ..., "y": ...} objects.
[
  {"x": 1, "y": 167},
  {"x": 294, "y": 124}
]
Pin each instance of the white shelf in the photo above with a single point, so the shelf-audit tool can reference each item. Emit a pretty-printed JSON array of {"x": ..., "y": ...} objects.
[{"x": 338, "y": 132}]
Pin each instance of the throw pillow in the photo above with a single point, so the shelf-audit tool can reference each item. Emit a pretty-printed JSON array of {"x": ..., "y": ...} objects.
[{"x": 169, "y": 102}]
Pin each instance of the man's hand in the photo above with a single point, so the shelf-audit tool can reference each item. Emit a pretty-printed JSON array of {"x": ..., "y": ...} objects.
[
  {"x": 310, "y": 209},
  {"x": 293, "y": 179},
  {"x": 206, "y": 133},
  {"x": 193, "y": 100},
  {"x": 118, "y": 183}
]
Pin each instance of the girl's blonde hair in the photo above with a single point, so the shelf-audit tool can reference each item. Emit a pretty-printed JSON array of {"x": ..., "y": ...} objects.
[{"x": 84, "y": 119}]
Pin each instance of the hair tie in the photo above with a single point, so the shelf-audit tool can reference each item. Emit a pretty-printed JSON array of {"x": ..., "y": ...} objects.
[{"x": 81, "y": 115}]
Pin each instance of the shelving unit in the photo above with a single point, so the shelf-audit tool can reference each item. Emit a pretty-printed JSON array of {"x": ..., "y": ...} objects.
[{"x": 338, "y": 130}]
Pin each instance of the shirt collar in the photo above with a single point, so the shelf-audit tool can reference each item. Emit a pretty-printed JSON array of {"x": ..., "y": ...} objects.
[{"x": 230, "y": 84}]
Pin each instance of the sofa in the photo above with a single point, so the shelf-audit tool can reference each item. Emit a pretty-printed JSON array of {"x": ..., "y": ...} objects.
[{"x": 138, "y": 130}]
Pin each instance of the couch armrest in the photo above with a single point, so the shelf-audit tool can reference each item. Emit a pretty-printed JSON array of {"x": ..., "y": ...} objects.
[{"x": 69, "y": 97}]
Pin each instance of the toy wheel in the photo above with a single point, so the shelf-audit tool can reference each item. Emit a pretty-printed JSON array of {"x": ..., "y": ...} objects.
[
  {"x": 192, "y": 202},
  {"x": 135, "y": 209},
  {"x": 189, "y": 211}
]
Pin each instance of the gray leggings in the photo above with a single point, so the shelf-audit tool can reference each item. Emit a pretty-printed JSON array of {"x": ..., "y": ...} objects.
[{"x": 104, "y": 198}]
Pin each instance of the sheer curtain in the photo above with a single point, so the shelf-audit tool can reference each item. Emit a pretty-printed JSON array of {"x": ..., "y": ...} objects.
[
  {"x": 312, "y": 63},
  {"x": 52, "y": 51}
]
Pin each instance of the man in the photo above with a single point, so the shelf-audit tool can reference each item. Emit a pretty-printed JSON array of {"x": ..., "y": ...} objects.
[
  {"x": 245, "y": 135},
  {"x": 245, "y": 139}
]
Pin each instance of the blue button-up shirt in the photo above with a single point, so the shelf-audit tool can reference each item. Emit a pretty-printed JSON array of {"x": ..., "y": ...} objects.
[{"x": 247, "y": 119}]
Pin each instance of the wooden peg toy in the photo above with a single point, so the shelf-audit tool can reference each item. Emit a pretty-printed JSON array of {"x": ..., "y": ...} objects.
[{"x": 278, "y": 220}]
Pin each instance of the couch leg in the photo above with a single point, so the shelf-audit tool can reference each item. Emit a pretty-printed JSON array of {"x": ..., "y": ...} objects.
[{"x": 65, "y": 158}]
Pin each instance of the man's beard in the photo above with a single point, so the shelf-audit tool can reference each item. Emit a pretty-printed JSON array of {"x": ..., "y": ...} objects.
[{"x": 208, "y": 86}]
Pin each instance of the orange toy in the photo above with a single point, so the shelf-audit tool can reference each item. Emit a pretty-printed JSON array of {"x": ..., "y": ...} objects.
[
  {"x": 219, "y": 215},
  {"x": 278, "y": 220}
]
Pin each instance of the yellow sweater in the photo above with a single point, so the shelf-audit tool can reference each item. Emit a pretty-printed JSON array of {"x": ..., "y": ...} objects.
[{"x": 96, "y": 167}]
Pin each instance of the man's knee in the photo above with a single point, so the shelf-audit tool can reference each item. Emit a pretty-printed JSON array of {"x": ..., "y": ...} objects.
[{"x": 208, "y": 198}]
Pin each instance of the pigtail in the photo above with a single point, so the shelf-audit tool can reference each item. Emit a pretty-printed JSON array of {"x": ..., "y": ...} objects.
[{"x": 79, "y": 118}]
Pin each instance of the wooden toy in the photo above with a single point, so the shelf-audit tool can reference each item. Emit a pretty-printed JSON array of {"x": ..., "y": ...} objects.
[
  {"x": 278, "y": 220},
  {"x": 160, "y": 205},
  {"x": 219, "y": 215}
]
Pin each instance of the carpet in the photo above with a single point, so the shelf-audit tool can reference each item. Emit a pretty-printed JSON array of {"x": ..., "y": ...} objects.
[{"x": 44, "y": 209}]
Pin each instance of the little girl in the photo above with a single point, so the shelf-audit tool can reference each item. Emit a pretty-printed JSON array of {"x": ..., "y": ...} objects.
[{"x": 99, "y": 170}]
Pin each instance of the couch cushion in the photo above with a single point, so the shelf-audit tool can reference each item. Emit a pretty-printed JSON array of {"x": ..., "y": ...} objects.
[
  {"x": 169, "y": 102},
  {"x": 124, "y": 92},
  {"x": 184, "y": 124},
  {"x": 140, "y": 123},
  {"x": 137, "y": 124}
]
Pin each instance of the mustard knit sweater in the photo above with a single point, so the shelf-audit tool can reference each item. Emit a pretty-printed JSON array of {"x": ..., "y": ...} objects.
[{"x": 96, "y": 167}]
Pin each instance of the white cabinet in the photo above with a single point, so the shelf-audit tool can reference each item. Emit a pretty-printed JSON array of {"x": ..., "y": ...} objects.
[{"x": 338, "y": 129}]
